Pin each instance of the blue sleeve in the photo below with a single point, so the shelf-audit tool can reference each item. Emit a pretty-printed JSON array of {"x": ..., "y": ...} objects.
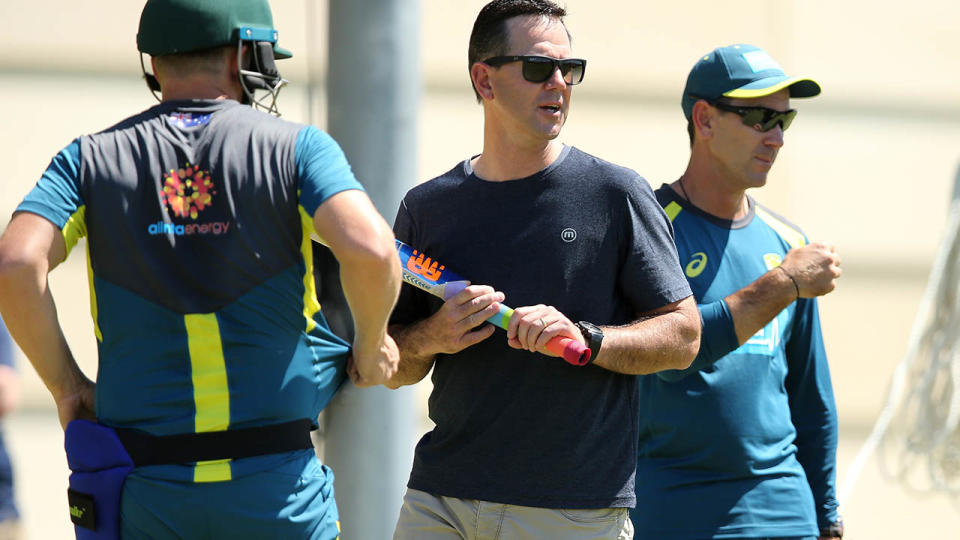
[
  {"x": 322, "y": 169},
  {"x": 813, "y": 409},
  {"x": 6, "y": 346},
  {"x": 56, "y": 196},
  {"x": 718, "y": 338}
]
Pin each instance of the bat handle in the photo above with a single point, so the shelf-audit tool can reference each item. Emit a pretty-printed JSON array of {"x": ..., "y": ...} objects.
[{"x": 571, "y": 350}]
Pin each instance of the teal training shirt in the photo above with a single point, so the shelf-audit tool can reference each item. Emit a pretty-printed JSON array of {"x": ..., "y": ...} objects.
[
  {"x": 198, "y": 216},
  {"x": 742, "y": 443}
]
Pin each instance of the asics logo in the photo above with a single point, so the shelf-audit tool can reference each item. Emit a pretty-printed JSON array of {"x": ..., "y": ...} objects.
[{"x": 696, "y": 265}]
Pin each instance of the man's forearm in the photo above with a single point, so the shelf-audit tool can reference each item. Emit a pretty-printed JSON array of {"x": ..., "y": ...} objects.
[
  {"x": 363, "y": 244},
  {"x": 805, "y": 272},
  {"x": 660, "y": 341},
  {"x": 370, "y": 286},
  {"x": 415, "y": 357},
  {"x": 755, "y": 305},
  {"x": 30, "y": 314},
  {"x": 460, "y": 322}
]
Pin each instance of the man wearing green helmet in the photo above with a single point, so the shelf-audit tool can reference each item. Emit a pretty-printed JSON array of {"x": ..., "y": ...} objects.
[
  {"x": 214, "y": 356},
  {"x": 199, "y": 33}
]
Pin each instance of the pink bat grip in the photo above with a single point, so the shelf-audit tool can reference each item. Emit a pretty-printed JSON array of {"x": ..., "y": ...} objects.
[{"x": 571, "y": 350}]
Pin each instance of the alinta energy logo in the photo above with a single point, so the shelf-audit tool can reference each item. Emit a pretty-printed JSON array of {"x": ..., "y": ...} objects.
[{"x": 187, "y": 192}]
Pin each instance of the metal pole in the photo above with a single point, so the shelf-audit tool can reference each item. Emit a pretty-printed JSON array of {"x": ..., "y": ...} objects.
[{"x": 373, "y": 87}]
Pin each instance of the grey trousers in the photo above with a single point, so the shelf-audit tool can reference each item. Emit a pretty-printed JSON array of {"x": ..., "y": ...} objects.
[{"x": 428, "y": 517}]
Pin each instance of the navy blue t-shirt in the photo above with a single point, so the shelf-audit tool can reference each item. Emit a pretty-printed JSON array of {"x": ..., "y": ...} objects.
[{"x": 515, "y": 427}]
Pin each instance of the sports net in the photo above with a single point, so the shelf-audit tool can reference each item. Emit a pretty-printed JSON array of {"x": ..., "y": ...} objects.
[{"x": 916, "y": 434}]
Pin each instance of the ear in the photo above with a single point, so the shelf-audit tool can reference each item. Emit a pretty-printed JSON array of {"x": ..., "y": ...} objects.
[
  {"x": 480, "y": 75},
  {"x": 233, "y": 63},
  {"x": 153, "y": 78},
  {"x": 702, "y": 119}
]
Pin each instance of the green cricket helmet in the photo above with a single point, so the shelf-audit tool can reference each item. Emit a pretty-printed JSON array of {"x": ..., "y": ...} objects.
[
  {"x": 183, "y": 26},
  {"x": 176, "y": 26}
]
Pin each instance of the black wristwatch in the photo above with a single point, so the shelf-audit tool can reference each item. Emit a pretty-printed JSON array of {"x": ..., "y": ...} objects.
[
  {"x": 834, "y": 530},
  {"x": 593, "y": 335}
]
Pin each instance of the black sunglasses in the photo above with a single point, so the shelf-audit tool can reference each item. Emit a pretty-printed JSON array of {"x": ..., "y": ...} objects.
[
  {"x": 537, "y": 69},
  {"x": 763, "y": 117}
]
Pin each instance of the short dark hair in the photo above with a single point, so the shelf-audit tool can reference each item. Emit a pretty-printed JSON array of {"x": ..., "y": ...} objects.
[
  {"x": 489, "y": 36},
  {"x": 211, "y": 61}
]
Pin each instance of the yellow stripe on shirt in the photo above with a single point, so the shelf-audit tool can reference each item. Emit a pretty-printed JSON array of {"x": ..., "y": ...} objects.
[
  {"x": 672, "y": 210},
  {"x": 790, "y": 235},
  {"x": 93, "y": 298},
  {"x": 311, "y": 306},
  {"x": 211, "y": 393},
  {"x": 75, "y": 228}
]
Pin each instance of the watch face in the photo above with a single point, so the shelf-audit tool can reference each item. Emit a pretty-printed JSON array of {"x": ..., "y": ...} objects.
[
  {"x": 594, "y": 330},
  {"x": 591, "y": 333},
  {"x": 585, "y": 330}
]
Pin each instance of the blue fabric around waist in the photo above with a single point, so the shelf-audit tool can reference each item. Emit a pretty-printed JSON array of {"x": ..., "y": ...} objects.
[{"x": 99, "y": 465}]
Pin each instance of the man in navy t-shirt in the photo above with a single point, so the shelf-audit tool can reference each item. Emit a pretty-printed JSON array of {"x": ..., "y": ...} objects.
[{"x": 527, "y": 445}]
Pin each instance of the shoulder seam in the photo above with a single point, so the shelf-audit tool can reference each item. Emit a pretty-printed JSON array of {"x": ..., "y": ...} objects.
[{"x": 789, "y": 232}]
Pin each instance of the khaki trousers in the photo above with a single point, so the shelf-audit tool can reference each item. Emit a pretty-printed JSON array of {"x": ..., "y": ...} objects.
[
  {"x": 10, "y": 529},
  {"x": 427, "y": 517}
]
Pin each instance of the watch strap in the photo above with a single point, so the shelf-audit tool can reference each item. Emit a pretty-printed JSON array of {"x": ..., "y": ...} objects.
[{"x": 593, "y": 335}]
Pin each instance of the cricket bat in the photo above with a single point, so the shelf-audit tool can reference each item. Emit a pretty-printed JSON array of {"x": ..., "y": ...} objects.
[{"x": 427, "y": 274}]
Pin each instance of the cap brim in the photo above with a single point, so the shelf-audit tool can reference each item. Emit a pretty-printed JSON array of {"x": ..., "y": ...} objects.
[
  {"x": 280, "y": 53},
  {"x": 799, "y": 88}
]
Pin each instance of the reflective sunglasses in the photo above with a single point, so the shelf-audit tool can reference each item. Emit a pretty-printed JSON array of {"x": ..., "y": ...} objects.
[
  {"x": 537, "y": 69},
  {"x": 762, "y": 117}
]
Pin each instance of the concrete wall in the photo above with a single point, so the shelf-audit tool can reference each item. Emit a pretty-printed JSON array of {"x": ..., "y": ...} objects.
[{"x": 868, "y": 165}]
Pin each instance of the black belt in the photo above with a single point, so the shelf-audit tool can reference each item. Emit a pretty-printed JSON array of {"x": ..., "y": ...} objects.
[{"x": 146, "y": 449}]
